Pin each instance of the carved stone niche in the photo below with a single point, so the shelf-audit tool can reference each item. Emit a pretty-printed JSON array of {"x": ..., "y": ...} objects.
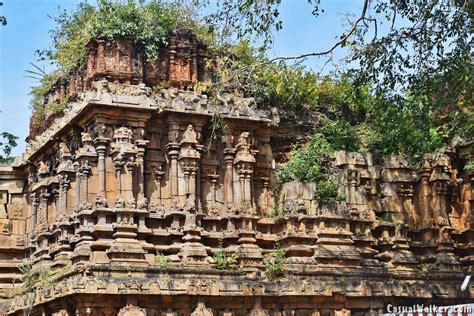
[
  {"x": 188, "y": 158},
  {"x": 65, "y": 159},
  {"x": 439, "y": 180},
  {"x": 124, "y": 156},
  {"x": 43, "y": 170},
  {"x": 244, "y": 163}
]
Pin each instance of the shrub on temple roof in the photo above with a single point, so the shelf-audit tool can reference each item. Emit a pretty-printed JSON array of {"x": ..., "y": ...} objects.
[
  {"x": 148, "y": 24},
  {"x": 224, "y": 259},
  {"x": 311, "y": 163},
  {"x": 275, "y": 263}
]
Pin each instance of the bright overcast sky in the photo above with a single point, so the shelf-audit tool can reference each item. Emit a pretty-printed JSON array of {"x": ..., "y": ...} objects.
[{"x": 28, "y": 26}]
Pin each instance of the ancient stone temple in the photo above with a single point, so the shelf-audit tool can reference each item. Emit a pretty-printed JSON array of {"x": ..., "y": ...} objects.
[{"x": 120, "y": 205}]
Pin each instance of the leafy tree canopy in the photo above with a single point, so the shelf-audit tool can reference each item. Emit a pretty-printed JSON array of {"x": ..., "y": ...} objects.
[
  {"x": 408, "y": 65},
  {"x": 7, "y": 143},
  {"x": 7, "y": 140},
  {"x": 3, "y": 19}
]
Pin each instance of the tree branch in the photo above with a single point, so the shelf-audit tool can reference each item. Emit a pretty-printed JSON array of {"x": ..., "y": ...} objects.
[{"x": 336, "y": 45}]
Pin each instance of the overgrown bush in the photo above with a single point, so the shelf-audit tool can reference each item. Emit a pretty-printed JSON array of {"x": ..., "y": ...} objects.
[
  {"x": 469, "y": 166},
  {"x": 223, "y": 259},
  {"x": 311, "y": 163},
  {"x": 275, "y": 263},
  {"x": 162, "y": 260},
  {"x": 148, "y": 24},
  {"x": 35, "y": 276}
]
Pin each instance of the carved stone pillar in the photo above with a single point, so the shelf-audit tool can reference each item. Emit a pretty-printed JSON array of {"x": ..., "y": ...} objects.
[
  {"x": 91, "y": 53},
  {"x": 424, "y": 200},
  {"x": 266, "y": 195},
  {"x": 214, "y": 180},
  {"x": 34, "y": 210},
  {"x": 101, "y": 148},
  {"x": 124, "y": 155},
  {"x": 85, "y": 170},
  {"x": 118, "y": 165},
  {"x": 42, "y": 215},
  {"x": 127, "y": 184},
  {"x": 77, "y": 196},
  {"x": 228, "y": 176},
  {"x": 85, "y": 155},
  {"x": 244, "y": 162},
  {"x": 173, "y": 152},
  {"x": 158, "y": 175},
  {"x": 189, "y": 159},
  {"x": 141, "y": 144},
  {"x": 64, "y": 184}
]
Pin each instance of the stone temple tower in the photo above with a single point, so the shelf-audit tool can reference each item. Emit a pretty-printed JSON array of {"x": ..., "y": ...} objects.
[{"x": 138, "y": 200}]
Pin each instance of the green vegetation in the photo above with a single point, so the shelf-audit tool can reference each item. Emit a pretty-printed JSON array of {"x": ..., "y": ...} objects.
[
  {"x": 34, "y": 277},
  {"x": 148, "y": 24},
  {"x": 278, "y": 212},
  {"x": 428, "y": 269},
  {"x": 469, "y": 166},
  {"x": 311, "y": 163},
  {"x": 7, "y": 143},
  {"x": 7, "y": 227},
  {"x": 387, "y": 217},
  {"x": 275, "y": 263},
  {"x": 223, "y": 259},
  {"x": 406, "y": 90},
  {"x": 162, "y": 260},
  {"x": 3, "y": 19}
]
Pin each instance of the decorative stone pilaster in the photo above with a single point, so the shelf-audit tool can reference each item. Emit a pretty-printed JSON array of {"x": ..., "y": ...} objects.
[
  {"x": 124, "y": 156},
  {"x": 85, "y": 171},
  {"x": 125, "y": 247},
  {"x": 265, "y": 206},
  {"x": 156, "y": 176},
  {"x": 188, "y": 158},
  {"x": 84, "y": 157},
  {"x": 64, "y": 184},
  {"x": 244, "y": 162},
  {"x": 439, "y": 181},
  {"x": 173, "y": 152},
  {"x": 142, "y": 199},
  {"x": 42, "y": 226},
  {"x": 229, "y": 154},
  {"x": 101, "y": 55},
  {"x": 212, "y": 208},
  {"x": 77, "y": 193},
  {"x": 118, "y": 165},
  {"x": 42, "y": 212},
  {"x": 34, "y": 210},
  {"x": 101, "y": 148},
  {"x": 249, "y": 254},
  {"x": 193, "y": 251},
  {"x": 424, "y": 209}
]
